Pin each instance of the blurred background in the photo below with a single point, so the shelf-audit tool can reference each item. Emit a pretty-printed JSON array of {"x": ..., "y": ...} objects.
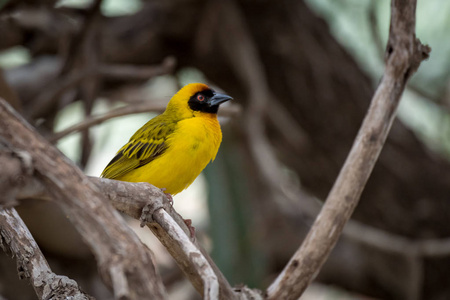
[{"x": 302, "y": 74}]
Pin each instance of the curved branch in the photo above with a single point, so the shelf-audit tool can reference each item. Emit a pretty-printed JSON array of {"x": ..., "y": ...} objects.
[
  {"x": 21, "y": 182},
  {"x": 132, "y": 199},
  {"x": 404, "y": 55},
  {"x": 143, "y": 201},
  {"x": 200, "y": 263},
  {"x": 110, "y": 239},
  {"x": 95, "y": 120}
]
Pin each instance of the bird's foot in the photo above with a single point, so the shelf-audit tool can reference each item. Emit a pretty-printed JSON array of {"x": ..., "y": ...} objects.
[
  {"x": 191, "y": 228},
  {"x": 169, "y": 196}
]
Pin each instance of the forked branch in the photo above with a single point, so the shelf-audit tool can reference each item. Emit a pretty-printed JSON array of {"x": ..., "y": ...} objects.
[
  {"x": 112, "y": 242},
  {"x": 46, "y": 174}
]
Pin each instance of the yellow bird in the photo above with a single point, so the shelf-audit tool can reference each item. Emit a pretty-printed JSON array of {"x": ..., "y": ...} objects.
[{"x": 171, "y": 150}]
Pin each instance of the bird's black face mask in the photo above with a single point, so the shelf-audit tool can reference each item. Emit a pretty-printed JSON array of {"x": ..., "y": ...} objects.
[{"x": 207, "y": 101}]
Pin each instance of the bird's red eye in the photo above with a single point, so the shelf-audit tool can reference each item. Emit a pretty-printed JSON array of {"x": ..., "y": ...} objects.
[{"x": 200, "y": 97}]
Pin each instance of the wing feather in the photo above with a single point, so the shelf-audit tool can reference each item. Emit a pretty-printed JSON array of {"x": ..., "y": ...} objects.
[{"x": 145, "y": 145}]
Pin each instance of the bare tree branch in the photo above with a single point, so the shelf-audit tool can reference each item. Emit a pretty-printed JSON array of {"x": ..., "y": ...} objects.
[
  {"x": 376, "y": 36},
  {"x": 404, "y": 55},
  {"x": 48, "y": 97},
  {"x": 57, "y": 89},
  {"x": 200, "y": 263},
  {"x": 131, "y": 198},
  {"x": 134, "y": 198},
  {"x": 95, "y": 120},
  {"x": 113, "y": 243},
  {"x": 137, "y": 72},
  {"x": 53, "y": 173},
  {"x": 14, "y": 235}
]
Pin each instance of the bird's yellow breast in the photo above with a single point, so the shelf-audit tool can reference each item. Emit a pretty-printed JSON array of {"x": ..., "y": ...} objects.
[{"x": 192, "y": 145}]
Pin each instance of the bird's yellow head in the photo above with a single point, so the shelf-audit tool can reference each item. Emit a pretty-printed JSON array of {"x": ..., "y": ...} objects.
[{"x": 195, "y": 98}]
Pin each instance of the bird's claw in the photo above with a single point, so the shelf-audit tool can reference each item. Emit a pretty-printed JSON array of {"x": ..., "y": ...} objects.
[
  {"x": 169, "y": 196},
  {"x": 191, "y": 228}
]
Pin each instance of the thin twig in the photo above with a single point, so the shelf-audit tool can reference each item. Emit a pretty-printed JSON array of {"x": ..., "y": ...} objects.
[
  {"x": 118, "y": 112},
  {"x": 118, "y": 71},
  {"x": 137, "y": 72},
  {"x": 404, "y": 55},
  {"x": 49, "y": 96}
]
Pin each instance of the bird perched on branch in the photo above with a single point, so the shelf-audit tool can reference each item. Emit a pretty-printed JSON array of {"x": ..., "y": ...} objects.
[{"x": 171, "y": 150}]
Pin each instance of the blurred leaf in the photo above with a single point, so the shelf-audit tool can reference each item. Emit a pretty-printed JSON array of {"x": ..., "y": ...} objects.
[{"x": 14, "y": 57}]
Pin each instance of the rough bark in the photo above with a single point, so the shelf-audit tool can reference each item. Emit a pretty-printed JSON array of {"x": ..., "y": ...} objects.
[
  {"x": 31, "y": 263},
  {"x": 124, "y": 263},
  {"x": 23, "y": 179}
]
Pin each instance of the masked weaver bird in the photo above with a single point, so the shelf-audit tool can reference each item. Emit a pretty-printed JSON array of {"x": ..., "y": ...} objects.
[{"x": 172, "y": 149}]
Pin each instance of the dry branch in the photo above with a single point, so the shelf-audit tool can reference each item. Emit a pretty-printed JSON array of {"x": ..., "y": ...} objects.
[
  {"x": 200, "y": 263},
  {"x": 137, "y": 72},
  {"x": 47, "y": 181},
  {"x": 135, "y": 198},
  {"x": 415, "y": 251},
  {"x": 113, "y": 243},
  {"x": 404, "y": 55},
  {"x": 49, "y": 96},
  {"x": 15, "y": 237},
  {"x": 132, "y": 199},
  {"x": 95, "y": 120}
]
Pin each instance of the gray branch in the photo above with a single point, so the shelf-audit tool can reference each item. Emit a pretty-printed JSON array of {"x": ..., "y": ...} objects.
[
  {"x": 123, "y": 262},
  {"x": 404, "y": 54},
  {"x": 113, "y": 243},
  {"x": 31, "y": 263}
]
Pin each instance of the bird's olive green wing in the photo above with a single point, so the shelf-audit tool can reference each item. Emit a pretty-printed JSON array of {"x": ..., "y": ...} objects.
[{"x": 145, "y": 145}]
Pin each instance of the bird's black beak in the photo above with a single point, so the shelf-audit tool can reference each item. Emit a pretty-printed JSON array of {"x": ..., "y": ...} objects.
[{"x": 218, "y": 99}]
